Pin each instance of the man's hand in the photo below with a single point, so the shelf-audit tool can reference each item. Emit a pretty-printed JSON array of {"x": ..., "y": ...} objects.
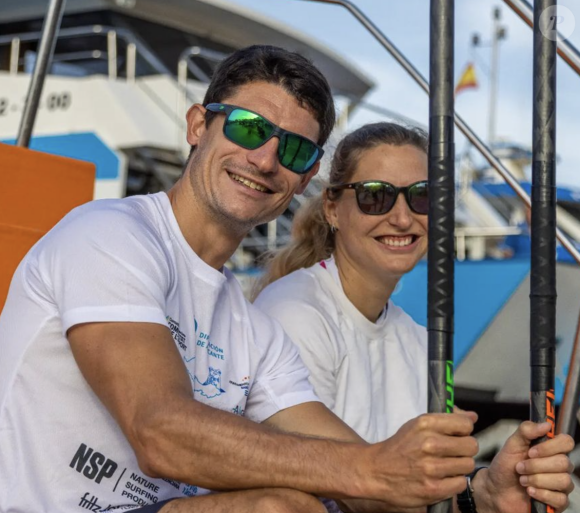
[
  {"x": 519, "y": 473},
  {"x": 424, "y": 462}
]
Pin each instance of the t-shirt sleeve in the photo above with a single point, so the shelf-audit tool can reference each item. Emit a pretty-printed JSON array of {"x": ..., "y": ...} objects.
[
  {"x": 282, "y": 378},
  {"x": 312, "y": 334},
  {"x": 102, "y": 266}
]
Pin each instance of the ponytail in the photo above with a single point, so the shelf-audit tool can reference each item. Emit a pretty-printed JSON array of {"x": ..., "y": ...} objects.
[{"x": 312, "y": 241}]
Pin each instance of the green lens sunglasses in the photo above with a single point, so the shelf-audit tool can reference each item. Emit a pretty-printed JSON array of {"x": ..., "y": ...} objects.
[{"x": 250, "y": 130}]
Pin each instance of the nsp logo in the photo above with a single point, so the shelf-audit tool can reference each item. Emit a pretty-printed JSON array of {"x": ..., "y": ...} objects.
[{"x": 92, "y": 464}]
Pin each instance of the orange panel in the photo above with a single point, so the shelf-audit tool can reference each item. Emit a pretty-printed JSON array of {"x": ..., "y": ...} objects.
[{"x": 36, "y": 191}]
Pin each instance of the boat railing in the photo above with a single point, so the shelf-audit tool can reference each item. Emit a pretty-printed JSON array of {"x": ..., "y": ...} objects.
[
  {"x": 478, "y": 236},
  {"x": 134, "y": 46},
  {"x": 186, "y": 64}
]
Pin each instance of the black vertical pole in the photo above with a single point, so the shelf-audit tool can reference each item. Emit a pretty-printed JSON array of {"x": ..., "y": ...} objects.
[
  {"x": 441, "y": 215},
  {"x": 543, "y": 258}
]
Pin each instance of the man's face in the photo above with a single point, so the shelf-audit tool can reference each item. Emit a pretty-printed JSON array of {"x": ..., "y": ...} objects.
[{"x": 241, "y": 187}]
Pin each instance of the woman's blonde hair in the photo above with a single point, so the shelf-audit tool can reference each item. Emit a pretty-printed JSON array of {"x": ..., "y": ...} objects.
[{"x": 313, "y": 239}]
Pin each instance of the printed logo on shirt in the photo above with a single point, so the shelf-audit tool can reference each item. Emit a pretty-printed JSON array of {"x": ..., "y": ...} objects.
[
  {"x": 244, "y": 384},
  {"x": 178, "y": 335},
  {"x": 238, "y": 410},
  {"x": 93, "y": 464},
  {"x": 91, "y": 503},
  {"x": 173, "y": 483},
  {"x": 203, "y": 340},
  {"x": 189, "y": 490},
  {"x": 212, "y": 386},
  {"x": 140, "y": 490}
]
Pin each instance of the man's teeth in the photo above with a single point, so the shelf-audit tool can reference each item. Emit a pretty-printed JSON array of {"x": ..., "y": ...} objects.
[
  {"x": 249, "y": 183},
  {"x": 397, "y": 241}
]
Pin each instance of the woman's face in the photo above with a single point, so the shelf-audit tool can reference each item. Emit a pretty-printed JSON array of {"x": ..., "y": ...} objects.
[{"x": 388, "y": 245}]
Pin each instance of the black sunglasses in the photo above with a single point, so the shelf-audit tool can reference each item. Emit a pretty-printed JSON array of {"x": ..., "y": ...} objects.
[
  {"x": 250, "y": 130},
  {"x": 376, "y": 198}
]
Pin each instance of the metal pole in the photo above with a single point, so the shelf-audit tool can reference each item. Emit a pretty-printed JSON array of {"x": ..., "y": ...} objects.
[
  {"x": 14, "y": 55},
  {"x": 112, "y": 54},
  {"x": 182, "y": 98},
  {"x": 493, "y": 78},
  {"x": 272, "y": 231},
  {"x": 131, "y": 62},
  {"x": 462, "y": 125},
  {"x": 567, "y": 417},
  {"x": 566, "y": 50},
  {"x": 440, "y": 301},
  {"x": 543, "y": 225},
  {"x": 45, "y": 52}
]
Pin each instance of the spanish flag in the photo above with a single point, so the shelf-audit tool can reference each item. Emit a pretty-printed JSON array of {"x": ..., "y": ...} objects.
[{"x": 467, "y": 80}]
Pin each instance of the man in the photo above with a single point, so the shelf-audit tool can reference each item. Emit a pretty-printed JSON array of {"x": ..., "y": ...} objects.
[{"x": 130, "y": 357}]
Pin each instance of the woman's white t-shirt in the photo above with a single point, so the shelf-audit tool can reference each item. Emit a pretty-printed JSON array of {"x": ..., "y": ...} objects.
[{"x": 372, "y": 375}]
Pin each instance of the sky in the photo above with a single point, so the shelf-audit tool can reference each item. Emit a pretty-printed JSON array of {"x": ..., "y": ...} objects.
[{"x": 406, "y": 24}]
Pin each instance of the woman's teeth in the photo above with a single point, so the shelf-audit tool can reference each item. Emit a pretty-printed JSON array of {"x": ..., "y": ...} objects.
[
  {"x": 397, "y": 242},
  {"x": 248, "y": 183}
]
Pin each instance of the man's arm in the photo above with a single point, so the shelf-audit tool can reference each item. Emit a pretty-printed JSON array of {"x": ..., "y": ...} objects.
[{"x": 136, "y": 371}]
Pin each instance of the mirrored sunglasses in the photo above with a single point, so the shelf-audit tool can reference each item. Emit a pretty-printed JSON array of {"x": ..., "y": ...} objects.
[
  {"x": 250, "y": 130},
  {"x": 375, "y": 197}
]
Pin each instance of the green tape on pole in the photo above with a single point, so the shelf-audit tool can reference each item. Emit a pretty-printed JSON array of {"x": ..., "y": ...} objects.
[{"x": 449, "y": 387}]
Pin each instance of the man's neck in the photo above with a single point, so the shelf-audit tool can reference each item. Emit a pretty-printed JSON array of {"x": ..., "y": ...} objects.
[{"x": 211, "y": 240}]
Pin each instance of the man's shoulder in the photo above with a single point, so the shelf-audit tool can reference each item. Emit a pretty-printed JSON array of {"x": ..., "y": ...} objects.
[
  {"x": 133, "y": 210},
  {"x": 108, "y": 219},
  {"x": 116, "y": 226}
]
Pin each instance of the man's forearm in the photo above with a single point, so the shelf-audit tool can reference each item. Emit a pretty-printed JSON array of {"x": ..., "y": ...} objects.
[{"x": 216, "y": 450}]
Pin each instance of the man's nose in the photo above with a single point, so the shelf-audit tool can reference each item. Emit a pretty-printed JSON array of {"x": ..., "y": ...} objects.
[{"x": 265, "y": 158}]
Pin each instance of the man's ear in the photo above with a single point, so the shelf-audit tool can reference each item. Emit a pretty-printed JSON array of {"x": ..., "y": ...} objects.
[
  {"x": 195, "y": 123},
  {"x": 305, "y": 179}
]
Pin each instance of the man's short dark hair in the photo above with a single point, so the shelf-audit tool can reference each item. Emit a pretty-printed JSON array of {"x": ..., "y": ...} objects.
[{"x": 290, "y": 70}]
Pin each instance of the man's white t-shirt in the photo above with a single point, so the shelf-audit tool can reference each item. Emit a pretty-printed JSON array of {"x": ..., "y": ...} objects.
[
  {"x": 122, "y": 260},
  {"x": 372, "y": 375}
]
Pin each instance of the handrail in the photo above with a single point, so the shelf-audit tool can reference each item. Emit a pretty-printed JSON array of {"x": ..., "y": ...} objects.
[
  {"x": 112, "y": 54},
  {"x": 46, "y": 50},
  {"x": 184, "y": 64},
  {"x": 565, "y": 49},
  {"x": 567, "y": 416},
  {"x": 101, "y": 30},
  {"x": 487, "y": 231},
  {"x": 14, "y": 53},
  {"x": 462, "y": 125}
]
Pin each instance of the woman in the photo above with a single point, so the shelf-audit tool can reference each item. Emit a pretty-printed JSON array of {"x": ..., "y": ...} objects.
[{"x": 331, "y": 287}]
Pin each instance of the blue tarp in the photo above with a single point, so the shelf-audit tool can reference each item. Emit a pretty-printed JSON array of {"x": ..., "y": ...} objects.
[
  {"x": 82, "y": 146},
  {"x": 481, "y": 290},
  {"x": 499, "y": 190}
]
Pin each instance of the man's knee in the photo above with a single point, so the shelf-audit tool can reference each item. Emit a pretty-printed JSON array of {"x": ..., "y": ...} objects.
[
  {"x": 269, "y": 500},
  {"x": 288, "y": 501}
]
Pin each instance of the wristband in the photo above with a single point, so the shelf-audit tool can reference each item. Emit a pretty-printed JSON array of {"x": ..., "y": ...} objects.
[{"x": 466, "y": 500}]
